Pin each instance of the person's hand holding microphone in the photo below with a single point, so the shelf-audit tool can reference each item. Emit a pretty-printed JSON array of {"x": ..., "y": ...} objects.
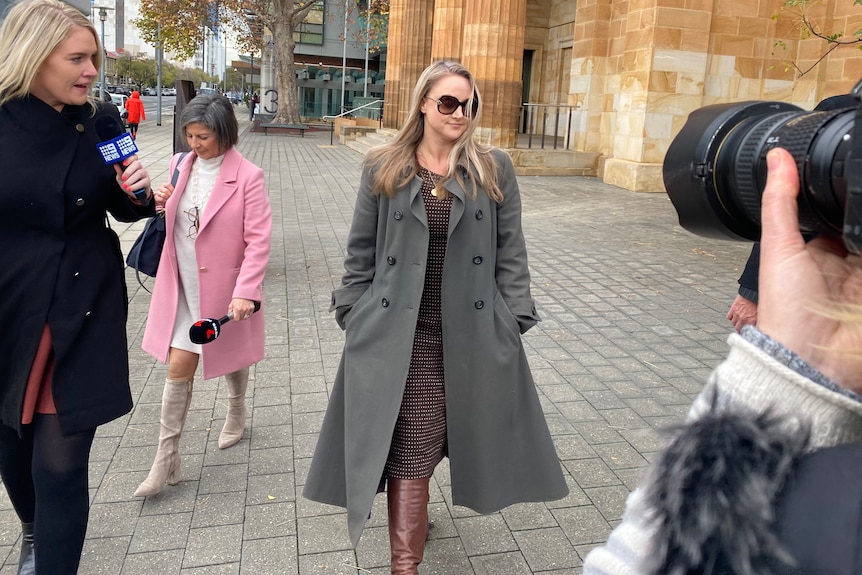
[
  {"x": 133, "y": 177},
  {"x": 117, "y": 148},
  {"x": 241, "y": 308}
]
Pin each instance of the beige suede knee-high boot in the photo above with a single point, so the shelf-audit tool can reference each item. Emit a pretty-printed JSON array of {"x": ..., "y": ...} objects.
[
  {"x": 176, "y": 399},
  {"x": 234, "y": 423}
]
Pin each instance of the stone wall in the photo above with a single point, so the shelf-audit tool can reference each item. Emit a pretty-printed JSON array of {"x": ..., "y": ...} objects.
[
  {"x": 634, "y": 69},
  {"x": 641, "y": 66}
]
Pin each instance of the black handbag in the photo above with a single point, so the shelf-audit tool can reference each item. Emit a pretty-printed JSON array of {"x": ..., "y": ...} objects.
[{"x": 147, "y": 250}]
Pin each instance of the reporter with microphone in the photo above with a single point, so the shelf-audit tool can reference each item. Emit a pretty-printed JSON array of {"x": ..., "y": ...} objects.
[
  {"x": 63, "y": 352},
  {"x": 218, "y": 224}
]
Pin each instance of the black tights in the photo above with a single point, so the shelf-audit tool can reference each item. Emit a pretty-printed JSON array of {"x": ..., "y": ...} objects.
[{"x": 45, "y": 473}]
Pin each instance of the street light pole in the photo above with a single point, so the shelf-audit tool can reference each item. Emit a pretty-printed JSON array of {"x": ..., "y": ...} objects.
[
  {"x": 159, "y": 56},
  {"x": 367, "y": 39},
  {"x": 344, "y": 59},
  {"x": 241, "y": 82},
  {"x": 103, "y": 15}
]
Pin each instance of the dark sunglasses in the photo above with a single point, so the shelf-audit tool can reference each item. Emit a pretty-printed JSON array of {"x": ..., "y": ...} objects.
[{"x": 447, "y": 105}]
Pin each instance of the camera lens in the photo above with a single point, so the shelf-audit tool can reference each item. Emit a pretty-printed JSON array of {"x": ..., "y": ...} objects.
[{"x": 715, "y": 169}]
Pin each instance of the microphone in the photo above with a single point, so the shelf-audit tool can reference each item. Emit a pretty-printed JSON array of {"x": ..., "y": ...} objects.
[
  {"x": 208, "y": 329},
  {"x": 116, "y": 146}
]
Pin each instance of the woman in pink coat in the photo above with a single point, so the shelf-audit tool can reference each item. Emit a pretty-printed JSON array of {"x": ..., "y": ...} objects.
[{"x": 218, "y": 225}]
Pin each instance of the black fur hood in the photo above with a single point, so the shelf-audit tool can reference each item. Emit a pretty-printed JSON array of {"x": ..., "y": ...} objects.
[{"x": 712, "y": 493}]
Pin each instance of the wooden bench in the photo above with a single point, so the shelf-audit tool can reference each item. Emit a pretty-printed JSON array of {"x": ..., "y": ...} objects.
[{"x": 301, "y": 127}]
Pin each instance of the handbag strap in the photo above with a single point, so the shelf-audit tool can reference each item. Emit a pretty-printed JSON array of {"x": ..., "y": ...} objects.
[
  {"x": 176, "y": 173},
  {"x": 174, "y": 177}
]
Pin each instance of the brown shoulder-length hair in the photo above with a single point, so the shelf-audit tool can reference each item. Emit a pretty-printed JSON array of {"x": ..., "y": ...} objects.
[{"x": 394, "y": 164}]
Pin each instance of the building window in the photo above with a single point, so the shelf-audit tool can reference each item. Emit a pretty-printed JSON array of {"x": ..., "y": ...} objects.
[{"x": 310, "y": 31}]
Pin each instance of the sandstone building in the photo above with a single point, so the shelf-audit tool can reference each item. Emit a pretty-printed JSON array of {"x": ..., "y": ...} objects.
[{"x": 631, "y": 70}]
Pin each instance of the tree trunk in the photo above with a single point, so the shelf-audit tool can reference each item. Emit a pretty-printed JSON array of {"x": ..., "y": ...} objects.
[
  {"x": 285, "y": 75},
  {"x": 285, "y": 21}
]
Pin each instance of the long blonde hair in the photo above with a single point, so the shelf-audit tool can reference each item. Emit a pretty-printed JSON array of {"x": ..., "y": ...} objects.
[
  {"x": 395, "y": 164},
  {"x": 31, "y": 31}
]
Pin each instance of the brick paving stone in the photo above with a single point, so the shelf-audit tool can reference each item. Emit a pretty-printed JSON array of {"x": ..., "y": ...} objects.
[{"x": 633, "y": 321}]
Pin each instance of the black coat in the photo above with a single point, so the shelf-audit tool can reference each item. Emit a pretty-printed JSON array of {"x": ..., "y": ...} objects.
[
  {"x": 819, "y": 514},
  {"x": 61, "y": 263}
]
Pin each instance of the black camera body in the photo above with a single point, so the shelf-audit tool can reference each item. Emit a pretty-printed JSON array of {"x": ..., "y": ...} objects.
[{"x": 715, "y": 169}]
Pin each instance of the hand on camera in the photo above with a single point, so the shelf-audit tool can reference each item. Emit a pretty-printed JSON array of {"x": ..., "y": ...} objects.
[{"x": 810, "y": 294}]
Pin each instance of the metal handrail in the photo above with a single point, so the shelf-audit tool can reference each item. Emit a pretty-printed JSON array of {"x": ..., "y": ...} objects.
[
  {"x": 535, "y": 119},
  {"x": 344, "y": 113}
]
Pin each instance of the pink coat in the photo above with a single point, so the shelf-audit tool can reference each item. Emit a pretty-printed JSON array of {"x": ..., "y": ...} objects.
[{"x": 232, "y": 249}]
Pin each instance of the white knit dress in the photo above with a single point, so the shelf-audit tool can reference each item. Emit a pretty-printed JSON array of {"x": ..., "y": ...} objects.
[{"x": 195, "y": 197}]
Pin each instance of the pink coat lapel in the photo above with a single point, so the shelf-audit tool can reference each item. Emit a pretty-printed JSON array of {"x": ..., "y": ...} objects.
[{"x": 225, "y": 185}]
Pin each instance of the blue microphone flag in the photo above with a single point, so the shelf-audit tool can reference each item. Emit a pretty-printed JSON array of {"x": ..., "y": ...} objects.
[{"x": 117, "y": 149}]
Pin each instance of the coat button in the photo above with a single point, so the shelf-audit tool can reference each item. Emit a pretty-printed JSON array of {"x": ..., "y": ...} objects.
[
  {"x": 479, "y": 214},
  {"x": 88, "y": 314},
  {"x": 390, "y": 260},
  {"x": 77, "y": 274},
  {"x": 384, "y": 302},
  {"x": 80, "y": 202},
  {"x": 398, "y": 215},
  {"x": 203, "y": 269},
  {"x": 80, "y": 128},
  {"x": 477, "y": 260},
  {"x": 479, "y": 304}
]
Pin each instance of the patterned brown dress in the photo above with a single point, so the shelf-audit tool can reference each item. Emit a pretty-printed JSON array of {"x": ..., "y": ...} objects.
[{"x": 419, "y": 439}]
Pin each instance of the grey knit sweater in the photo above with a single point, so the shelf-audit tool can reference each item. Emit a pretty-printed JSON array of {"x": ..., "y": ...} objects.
[{"x": 758, "y": 374}]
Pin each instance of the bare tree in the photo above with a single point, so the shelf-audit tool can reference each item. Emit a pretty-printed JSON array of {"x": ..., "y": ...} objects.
[
  {"x": 178, "y": 25},
  {"x": 799, "y": 10}
]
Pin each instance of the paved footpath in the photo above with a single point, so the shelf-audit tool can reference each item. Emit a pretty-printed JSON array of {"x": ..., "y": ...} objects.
[{"x": 633, "y": 312}]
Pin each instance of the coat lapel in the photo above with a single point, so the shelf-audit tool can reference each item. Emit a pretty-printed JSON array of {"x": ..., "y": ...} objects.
[
  {"x": 179, "y": 189},
  {"x": 417, "y": 204},
  {"x": 458, "y": 201},
  {"x": 225, "y": 186}
]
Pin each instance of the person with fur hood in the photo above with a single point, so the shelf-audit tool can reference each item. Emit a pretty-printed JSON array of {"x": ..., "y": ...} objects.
[{"x": 764, "y": 476}]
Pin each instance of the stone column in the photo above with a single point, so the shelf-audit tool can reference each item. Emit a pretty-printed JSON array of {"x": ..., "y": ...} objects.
[
  {"x": 593, "y": 74},
  {"x": 493, "y": 50},
  {"x": 448, "y": 20},
  {"x": 408, "y": 53},
  {"x": 268, "y": 84},
  {"x": 664, "y": 70},
  {"x": 638, "y": 69}
]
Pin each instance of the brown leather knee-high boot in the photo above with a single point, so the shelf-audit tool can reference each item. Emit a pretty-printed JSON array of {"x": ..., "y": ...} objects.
[{"x": 408, "y": 523}]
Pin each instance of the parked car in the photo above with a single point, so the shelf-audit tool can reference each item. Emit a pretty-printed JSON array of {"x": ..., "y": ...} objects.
[
  {"x": 119, "y": 100},
  {"x": 152, "y": 92}
]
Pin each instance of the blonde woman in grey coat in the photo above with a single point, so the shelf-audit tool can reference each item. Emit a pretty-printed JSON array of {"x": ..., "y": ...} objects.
[{"x": 435, "y": 295}]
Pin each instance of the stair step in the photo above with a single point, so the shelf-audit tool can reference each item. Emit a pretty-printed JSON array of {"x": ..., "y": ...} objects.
[
  {"x": 527, "y": 162},
  {"x": 362, "y": 143}
]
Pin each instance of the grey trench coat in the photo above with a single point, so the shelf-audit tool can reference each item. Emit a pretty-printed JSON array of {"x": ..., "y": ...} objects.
[{"x": 499, "y": 447}]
